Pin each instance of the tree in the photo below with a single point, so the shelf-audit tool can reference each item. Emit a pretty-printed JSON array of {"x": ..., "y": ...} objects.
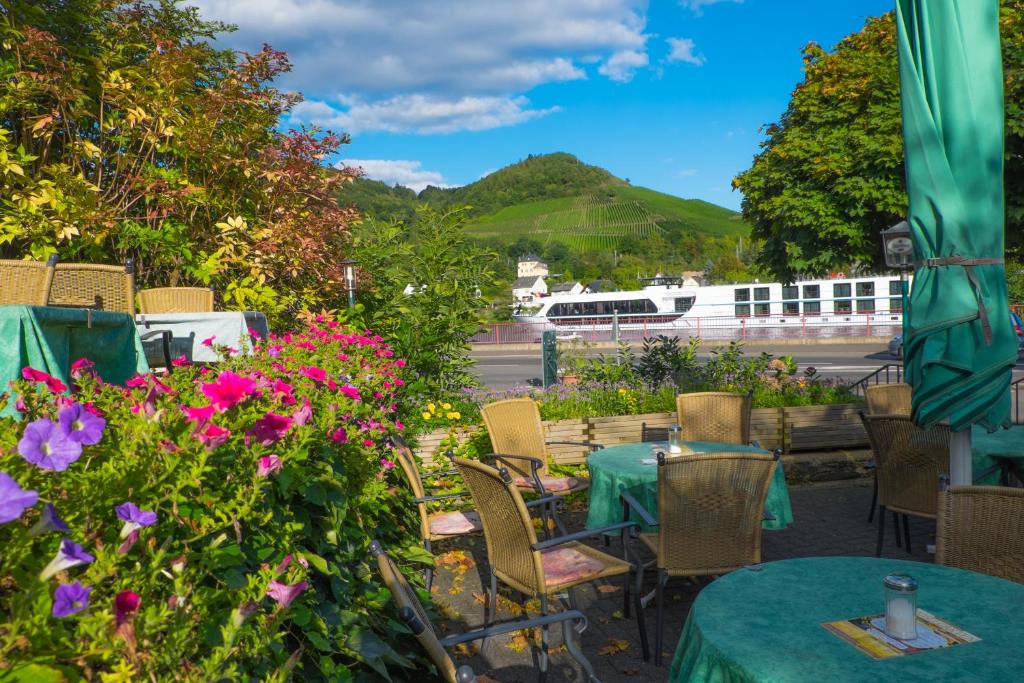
[{"x": 829, "y": 177}]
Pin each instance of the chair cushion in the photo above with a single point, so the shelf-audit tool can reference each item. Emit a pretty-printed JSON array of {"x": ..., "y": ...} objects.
[
  {"x": 553, "y": 484},
  {"x": 566, "y": 564},
  {"x": 452, "y": 523}
]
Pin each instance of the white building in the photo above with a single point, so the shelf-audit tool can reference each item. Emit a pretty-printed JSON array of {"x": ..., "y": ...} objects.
[
  {"x": 526, "y": 288},
  {"x": 567, "y": 288},
  {"x": 531, "y": 266}
]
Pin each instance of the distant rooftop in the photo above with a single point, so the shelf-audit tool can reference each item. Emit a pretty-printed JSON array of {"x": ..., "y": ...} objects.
[
  {"x": 532, "y": 257},
  {"x": 524, "y": 281},
  {"x": 564, "y": 287}
]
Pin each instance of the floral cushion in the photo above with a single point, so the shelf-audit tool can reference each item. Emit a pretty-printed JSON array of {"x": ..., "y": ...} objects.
[
  {"x": 451, "y": 523},
  {"x": 566, "y": 564},
  {"x": 550, "y": 483}
]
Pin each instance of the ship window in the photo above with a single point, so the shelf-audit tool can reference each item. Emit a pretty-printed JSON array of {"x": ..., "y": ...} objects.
[
  {"x": 684, "y": 304},
  {"x": 865, "y": 305},
  {"x": 894, "y": 288},
  {"x": 760, "y": 309},
  {"x": 896, "y": 304},
  {"x": 742, "y": 295},
  {"x": 812, "y": 291},
  {"x": 791, "y": 292},
  {"x": 761, "y": 294},
  {"x": 866, "y": 289},
  {"x": 896, "y": 292},
  {"x": 812, "y": 308},
  {"x": 742, "y": 310},
  {"x": 843, "y": 305},
  {"x": 841, "y": 290},
  {"x": 790, "y": 307}
]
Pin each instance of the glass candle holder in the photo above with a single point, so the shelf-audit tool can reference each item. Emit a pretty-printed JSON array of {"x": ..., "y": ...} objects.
[
  {"x": 900, "y": 606},
  {"x": 675, "y": 440}
]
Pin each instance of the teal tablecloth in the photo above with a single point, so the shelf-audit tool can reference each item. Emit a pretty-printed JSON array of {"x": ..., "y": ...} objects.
[
  {"x": 619, "y": 469},
  {"x": 766, "y": 625},
  {"x": 1002, "y": 447},
  {"x": 51, "y": 339}
]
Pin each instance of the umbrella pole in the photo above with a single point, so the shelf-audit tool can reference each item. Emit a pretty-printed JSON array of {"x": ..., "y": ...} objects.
[{"x": 960, "y": 458}]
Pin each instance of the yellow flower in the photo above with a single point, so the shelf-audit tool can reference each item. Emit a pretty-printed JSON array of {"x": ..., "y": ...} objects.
[
  {"x": 622, "y": 391},
  {"x": 446, "y": 406},
  {"x": 431, "y": 407},
  {"x": 426, "y": 415},
  {"x": 453, "y": 416}
]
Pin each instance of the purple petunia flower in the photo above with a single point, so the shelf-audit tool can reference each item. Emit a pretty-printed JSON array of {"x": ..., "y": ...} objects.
[
  {"x": 285, "y": 594},
  {"x": 134, "y": 518},
  {"x": 45, "y": 445},
  {"x": 48, "y": 521},
  {"x": 69, "y": 555},
  {"x": 78, "y": 424},
  {"x": 70, "y": 598},
  {"x": 14, "y": 499}
]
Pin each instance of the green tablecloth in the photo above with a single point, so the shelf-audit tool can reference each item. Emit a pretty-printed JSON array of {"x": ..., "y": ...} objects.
[
  {"x": 1002, "y": 447},
  {"x": 51, "y": 339},
  {"x": 619, "y": 469},
  {"x": 765, "y": 624}
]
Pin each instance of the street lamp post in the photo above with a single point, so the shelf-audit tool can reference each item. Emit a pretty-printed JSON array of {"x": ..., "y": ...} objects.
[
  {"x": 899, "y": 255},
  {"x": 350, "y": 281}
]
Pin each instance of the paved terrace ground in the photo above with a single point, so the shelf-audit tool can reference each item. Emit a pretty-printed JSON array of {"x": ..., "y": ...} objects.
[{"x": 830, "y": 519}]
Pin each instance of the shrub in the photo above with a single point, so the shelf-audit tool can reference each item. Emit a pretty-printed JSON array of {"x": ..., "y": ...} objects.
[{"x": 220, "y": 518}]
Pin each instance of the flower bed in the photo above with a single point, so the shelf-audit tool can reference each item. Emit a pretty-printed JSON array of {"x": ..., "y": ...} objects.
[{"x": 206, "y": 525}]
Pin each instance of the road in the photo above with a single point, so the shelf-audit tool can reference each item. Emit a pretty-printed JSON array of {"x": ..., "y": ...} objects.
[{"x": 500, "y": 369}]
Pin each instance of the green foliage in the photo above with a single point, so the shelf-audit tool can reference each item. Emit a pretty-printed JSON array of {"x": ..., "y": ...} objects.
[
  {"x": 830, "y": 176},
  {"x": 224, "y": 529},
  {"x": 380, "y": 200},
  {"x": 430, "y": 326},
  {"x": 664, "y": 361}
]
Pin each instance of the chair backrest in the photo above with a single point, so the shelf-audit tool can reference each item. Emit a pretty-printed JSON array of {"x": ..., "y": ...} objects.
[
  {"x": 407, "y": 461},
  {"x": 648, "y": 434},
  {"x": 515, "y": 428},
  {"x": 721, "y": 416},
  {"x": 981, "y": 528},
  {"x": 26, "y": 282},
  {"x": 909, "y": 462},
  {"x": 175, "y": 300},
  {"x": 710, "y": 510},
  {"x": 508, "y": 529},
  {"x": 888, "y": 399},
  {"x": 90, "y": 285},
  {"x": 411, "y": 611}
]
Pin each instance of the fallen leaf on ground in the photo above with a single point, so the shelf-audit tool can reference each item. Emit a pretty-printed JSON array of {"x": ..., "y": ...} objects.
[
  {"x": 607, "y": 588},
  {"x": 519, "y": 642},
  {"x": 617, "y": 614},
  {"x": 613, "y": 646},
  {"x": 465, "y": 650},
  {"x": 480, "y": 598}
]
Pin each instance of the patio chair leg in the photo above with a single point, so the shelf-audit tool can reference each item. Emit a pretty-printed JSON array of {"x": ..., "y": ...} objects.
[
  {"x": 659, "y": 627},
  {"x": 874, "y": 499},
  {"x": 881, "y": 530},
  {"x": 571, "y": 639},
  {"x": 906, "y": 531},
  {"x": 428, "y": 573},
  {"x": 490, "y": 607},
  {"x": 543, "y": 640},
  {"x": 896, "y": 523},
  {"x": 638, "y": 605}
]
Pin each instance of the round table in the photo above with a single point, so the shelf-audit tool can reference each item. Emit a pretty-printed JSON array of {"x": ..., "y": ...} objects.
[
  {"x": 765, "y": 624},
  {"x": 620, "y": 469},
  {"x": 1002, "y": 449}
]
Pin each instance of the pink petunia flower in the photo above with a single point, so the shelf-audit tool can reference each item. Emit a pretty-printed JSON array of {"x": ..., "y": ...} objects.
[
  {"x": 52, "y": 383},
  {"x": 267, "y": 465},
  {"x": 137, "y": 381},
  {"x": 303, "y": 414},
  {"x": 214, "y": 436},
  {"x": 387, "y": 464},
  {"x": 200, "y": 415},
  {"x": 399, "y": 425},
  {"x": 209, "y": 341},
  {"x": 285, "y": 594},
  {"x": 351, "y": 392},
  {"x": 229, "y": 390},
  {"x": 314, "y": 373},
  {"x": 269, "y": 429},
  {"x": 367, "y": 442},
  {"x": 181, "y": 361},
  {"x": 126, "y": 604},
  {"x": 339, "y": 435}
]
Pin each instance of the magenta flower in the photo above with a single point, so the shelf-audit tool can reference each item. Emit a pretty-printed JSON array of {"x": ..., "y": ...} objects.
[
  {"x": 52, "y": 383},
  {"x": 314, "y": 373},
  {"x": 267, "y": 465},
  {"x": 399, "y": 425},
  {"x": 367, "y": 442},
  {"x": 350, "y": 391},
  {"x": 198, "y": 415},
  {"x": 285, "y": 594},
  {"x": 209, "y": 341},
  {"x": 136, "y": 381},
  {"x": 78, "y": 424},
  {"x": 48, "y": 521},
  {"x": 181, "y": 361},
  {"x": 229, "y": 389},
  {"x": 126, "y": 603},
  {"x": 214, "y": 436},
  {"x": 339, "y": 435},
  {"x": 129, "y": 542},
  {"x": 14, "y": 499},
  {"x": 134, "y": 518},
  {"x": 387, "y": 464},
  {"x": 81, "y": 367},
  {"x": 70, "y": 598},
  {"x": 274, "y": 351},
  {"x": 269, "y": 429},
  {"x": 303, "y": 414},
  {"x": 45, "y": 445},
  {"x": 69, "y": 555}
]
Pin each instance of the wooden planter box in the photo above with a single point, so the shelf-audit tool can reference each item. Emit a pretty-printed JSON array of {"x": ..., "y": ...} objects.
[{"x": 803, "y": 428}]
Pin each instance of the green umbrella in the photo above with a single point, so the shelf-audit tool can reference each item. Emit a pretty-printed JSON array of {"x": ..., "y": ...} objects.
[{"x": 960, "y": 347}]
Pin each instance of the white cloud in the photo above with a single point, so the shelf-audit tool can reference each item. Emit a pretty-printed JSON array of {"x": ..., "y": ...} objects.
[
  {"x": 622, "y": 65},
  {"x": 418, "y": 114},
  {"x": 682, "y": 50},
  {"x": 687, "y": 173},
  {"x": 697, "y": 6},
  {"x": 407, "y": 173}
]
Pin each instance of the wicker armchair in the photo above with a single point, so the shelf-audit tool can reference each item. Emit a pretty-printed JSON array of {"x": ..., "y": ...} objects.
[
  {"x": 648, "y": 434},
  {"x": 720, "y": 416},
  {"x": 885, "y": 399},
  {"x": 911, "y": 462},
  {"x": 26, "y": 282},
  {"x": 434, "y": 526},
  {"x": 981, "y": 528},
  {"x": 710, "y": 511},
  {"x": 515, "y": 429},
  {"x": 176, "y": 300},
  {"x": 518, "y": 560},
  {"x": 411, "y": 612}
]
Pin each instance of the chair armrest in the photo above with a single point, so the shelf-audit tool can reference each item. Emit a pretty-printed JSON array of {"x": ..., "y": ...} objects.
[
  {"x": 592, "y": 445},
  {"x": 535, "y": 466},
  {"x": 444, "y": 496},
  {"x": 631, "y": 503},
  {"x": 767, "y": 516},
  {"x": 580, "y": 535},
  {"x": 507, "y": 627}
]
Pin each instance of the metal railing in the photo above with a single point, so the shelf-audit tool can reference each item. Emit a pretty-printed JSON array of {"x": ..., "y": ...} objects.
[{"x": 890, "y": 373}]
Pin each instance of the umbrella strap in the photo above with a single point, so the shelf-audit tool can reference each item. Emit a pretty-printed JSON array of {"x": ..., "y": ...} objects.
[{"x": 968, "y": 265}]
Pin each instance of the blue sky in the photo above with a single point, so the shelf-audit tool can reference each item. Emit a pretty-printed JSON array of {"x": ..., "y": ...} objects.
[{"x": 669, "y": 94}]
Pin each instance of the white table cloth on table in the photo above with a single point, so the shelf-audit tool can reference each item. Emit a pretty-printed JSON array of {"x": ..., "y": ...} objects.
[{"x": 188, "y": 330}]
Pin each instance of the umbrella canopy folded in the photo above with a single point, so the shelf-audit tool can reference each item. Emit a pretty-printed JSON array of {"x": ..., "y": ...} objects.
[{"x": 960, "y": 346}]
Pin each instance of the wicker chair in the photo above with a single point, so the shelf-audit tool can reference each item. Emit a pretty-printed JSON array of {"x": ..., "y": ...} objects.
[
  {"x": 518, "y": 560},
  {"x": 26, "y": 282},
  {"x": 515, "y": 429},
  {"x": 911, "y": 462},
  {"x": 434, "y": 526},
  {"x": 720, "y": 416},
  {"x": 176, "y": 300},
  {"x": 885, "y": 399},
  {"x": 710, "y": 511},
  {"x": 648, "y": 434},
  {"x": 411, "y": 612},
  {"x": 981, "y": 528}
]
